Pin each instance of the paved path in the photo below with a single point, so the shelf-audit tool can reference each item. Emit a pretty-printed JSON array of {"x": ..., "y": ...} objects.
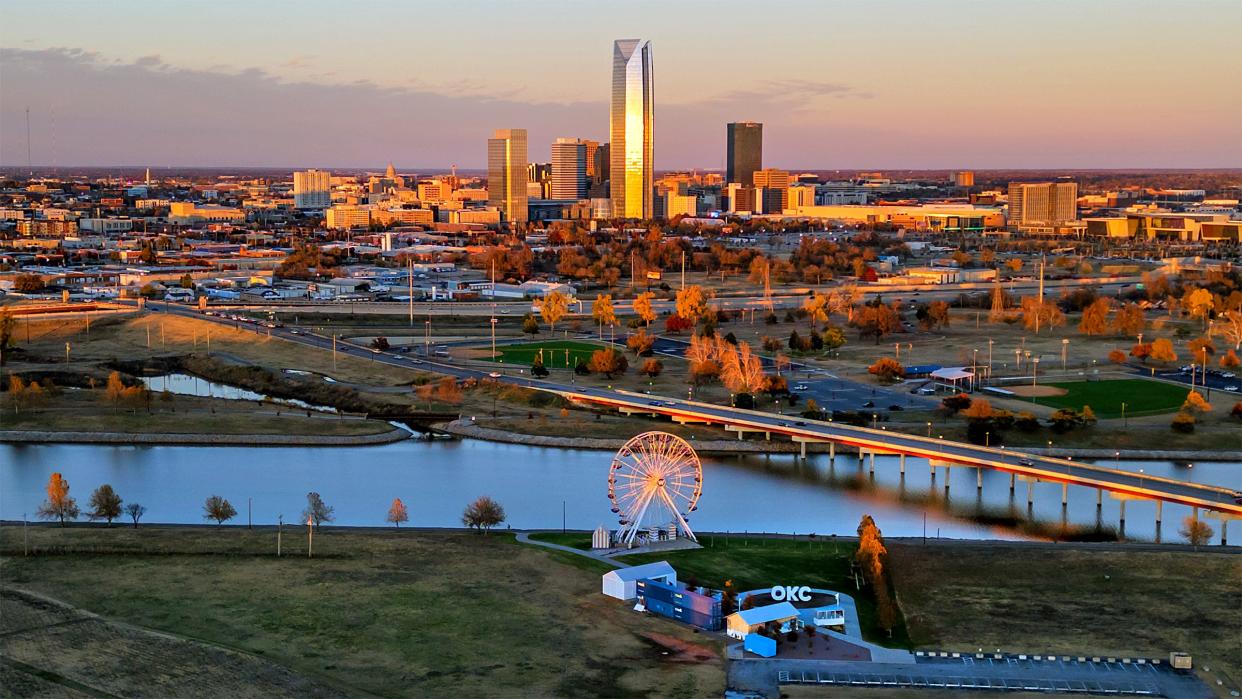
[{"x": 524, "y": 537}]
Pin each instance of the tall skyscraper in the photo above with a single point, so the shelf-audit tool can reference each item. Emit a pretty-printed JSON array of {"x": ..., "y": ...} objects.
[
  {"x": 631, "y": 122},
  {"x": 569, "y": 169},
  {"x": 312, "y": 189},
  {"x": 1043, "y": 205},
  {"x": 744, "y": 146},
  {"x": 603, "y": 166},
  {"x": 772, "y": 187},
  {"x": 506, "y": 173}
]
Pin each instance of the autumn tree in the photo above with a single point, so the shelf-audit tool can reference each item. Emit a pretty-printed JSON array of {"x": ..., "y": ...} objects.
[
  {"x": 1196, "y": 531},
  {"x": 59, "y": 504},
  {"x": 1095, "y": 318},
  {"x": 692, "y": 303},
  {"x": 1198, "y": 303},
  {"x": 1037, "y": 316},
  {"x": 652, "y": 367},
  {"x": 1229, "y": 326},
  {"x": 114, "y": 389},
  {"x": 816, "y": 307},
  {"x": 833, "y": 337},
  {"x": 105, "y": 504},
  {"x": 1229, "y": 360},
  {"x": 741, "y": 370},
  {"x": 1141, "y": 351},
  {"x": 1200, "y": 347},
  {"x": 1117, "y": 356},
  {"x": 643, "y": 307},
  {"x": 887, "y": 369},
  {"x": 603, "y": 312},
  {"x": 608, "y": 361},
  {"x": 397, "y": 513},
  {"x": 483, "y": 514},
  {"x": 553, "y": 307},
  {"x": 8, "y": 329},
  {"x": 1196, "y": 404},
  {"x": 979, "y": 409},
  {"x": 1129, "y": 320},
  {"x": 219, "y": 509},
  {"x": 135, "y": 512},
  {"x": 1162, "y": 351},
  {"x": 876, "y": 321},
  {"x": 537, "y": 369},
  {"x": 640, "y": 343}
]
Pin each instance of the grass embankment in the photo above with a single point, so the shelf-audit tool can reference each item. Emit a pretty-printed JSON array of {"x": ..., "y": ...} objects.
[
  {"x": 89, "y": 411},
  {"x": 754, "y": 563},
  {"x": 557, "y": 354},
  {"x": 393, "y": 613},
  {"x": 1093, "y": 602},
  {"x": 1140, "y": 396}
]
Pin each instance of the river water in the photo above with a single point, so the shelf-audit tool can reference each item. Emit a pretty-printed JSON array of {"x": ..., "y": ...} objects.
[{"x": 437, "y": 479}]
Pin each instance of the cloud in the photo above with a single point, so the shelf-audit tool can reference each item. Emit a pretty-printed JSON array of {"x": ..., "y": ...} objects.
[{"x": 789, "y": 93}]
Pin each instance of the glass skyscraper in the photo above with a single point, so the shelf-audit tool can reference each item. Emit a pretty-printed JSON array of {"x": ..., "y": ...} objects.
[
  {"x": 506, "y": 173},
  {"x": 630, "y": 125},
  {"x": 744, "y": 146}
]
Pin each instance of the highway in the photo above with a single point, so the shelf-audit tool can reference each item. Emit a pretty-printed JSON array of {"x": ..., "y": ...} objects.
[{"x": 1124, "y": 484}]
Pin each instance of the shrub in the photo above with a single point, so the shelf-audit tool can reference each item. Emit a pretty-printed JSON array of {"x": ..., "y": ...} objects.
[
  {"x": 887, "y": 369},
  {"x": 1183, "y": 422}
]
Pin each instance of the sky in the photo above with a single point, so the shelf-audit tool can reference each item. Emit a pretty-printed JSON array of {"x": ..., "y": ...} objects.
[{"x": 838, "y": 85}]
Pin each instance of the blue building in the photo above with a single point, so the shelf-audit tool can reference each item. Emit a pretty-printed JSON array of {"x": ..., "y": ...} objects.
[{"x": 678, "y": 603}]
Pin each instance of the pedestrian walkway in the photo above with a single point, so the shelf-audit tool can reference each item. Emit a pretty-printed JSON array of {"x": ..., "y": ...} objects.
[{"x": 524, "y": 537}]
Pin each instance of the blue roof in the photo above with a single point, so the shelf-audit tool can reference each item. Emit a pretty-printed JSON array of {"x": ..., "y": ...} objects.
[
  {"x": 658, "y": 569},
  {"x": 922, "y": 368},
  {"x": 766, "y": 613}
]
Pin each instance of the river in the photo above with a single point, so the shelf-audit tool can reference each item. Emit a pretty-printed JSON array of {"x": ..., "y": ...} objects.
[{"x": 437, "y": 479}]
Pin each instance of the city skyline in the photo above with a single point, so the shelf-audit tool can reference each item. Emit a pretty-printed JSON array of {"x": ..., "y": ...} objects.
[{"x": 833, "y": 92}]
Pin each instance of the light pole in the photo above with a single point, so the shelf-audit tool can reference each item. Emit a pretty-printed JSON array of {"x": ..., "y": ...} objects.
[
  {"x": 974, "y": 370},
  {"x": 987, "y": 439},
  {"x": 1124, "y": 420},
  {"x": 990, "y": 341},
  {"x": 427, "y": 336},
  {"x": 929, "y": 430},
  {"x": 493, "y": 333},
  {"x": 1064, "y": 352},
  {"x": 1035, "y": 371}
]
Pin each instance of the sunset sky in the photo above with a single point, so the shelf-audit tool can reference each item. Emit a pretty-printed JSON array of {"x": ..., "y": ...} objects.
[{"x": 837, "y": 84}]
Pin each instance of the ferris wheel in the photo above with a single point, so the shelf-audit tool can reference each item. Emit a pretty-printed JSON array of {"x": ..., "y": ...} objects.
[{"x": 655, "y": 481}]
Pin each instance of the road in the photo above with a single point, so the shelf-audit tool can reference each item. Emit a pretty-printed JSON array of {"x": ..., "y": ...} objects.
[{"x": 879, "y": 441}]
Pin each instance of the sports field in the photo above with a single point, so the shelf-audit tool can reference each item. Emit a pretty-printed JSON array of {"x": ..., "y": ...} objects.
[
  {"x": 557, "y": 354},
  {"x": 1141, "y": 397}
]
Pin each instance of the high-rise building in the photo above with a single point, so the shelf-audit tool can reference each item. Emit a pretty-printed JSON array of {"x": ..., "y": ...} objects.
[
  {"x": 569, "y": 168},
  {"x": 631, "y": 121},
  {"x": 592, "y": 167},
  {"x": 603, "y": 166},
  {"x": 1042, "y": 206},
  {"x": 774, "y": 189},
  {"x": 312, "y": 189},
  {"x": 506, "y": 173},
  {"x": 963, "y": 178},
  {"x": 744, "y": 146}
]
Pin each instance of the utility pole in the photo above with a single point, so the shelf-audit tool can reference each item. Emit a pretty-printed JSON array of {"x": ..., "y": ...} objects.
[
  {"x": 333, "y": 352},
  {"x": 249, "y": 513},
  {"x": 280, "y": 529},
  {"x": 310, "y": 537},
  {"x": 683, "y": 269},
  {"x": 410, "y": 279}
]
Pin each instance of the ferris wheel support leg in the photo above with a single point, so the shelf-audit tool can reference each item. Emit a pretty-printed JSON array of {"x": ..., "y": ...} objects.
[
  {"x": 685, "y": 526},
  {"x": 634, "y": 523}
]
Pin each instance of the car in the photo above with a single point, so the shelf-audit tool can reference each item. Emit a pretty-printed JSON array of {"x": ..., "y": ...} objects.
[
  {"x": 494, "y": 375},
  {"x": 295, "y": 332},
  {"x": 416, "y": 361},
  {"x": 894, "y": 407},
  {"x": 1228, "y": 375},
  {"x": 1025, "y": 462},
  {"x": 504, "y": 311},
  {"x": 800, "y": 387},
  {"x": 656, "y": 403},
  {"x": 869, "y": 404},
  {"x": 1232, "y": 388},
  {"x": 800, "y": 423},
  {"x": 782, "y": 424},
  {"x": 668, "y": 403}
]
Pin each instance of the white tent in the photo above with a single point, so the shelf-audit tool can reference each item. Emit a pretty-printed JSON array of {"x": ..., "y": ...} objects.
[{"x": 620, "y": 583}]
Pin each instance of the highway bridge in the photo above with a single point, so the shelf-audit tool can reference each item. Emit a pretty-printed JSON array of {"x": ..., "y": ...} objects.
[{"x": 1226, "y": 503}]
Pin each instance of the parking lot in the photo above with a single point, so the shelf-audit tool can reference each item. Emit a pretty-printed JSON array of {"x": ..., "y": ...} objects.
[{"x": 1216, "y": 379}]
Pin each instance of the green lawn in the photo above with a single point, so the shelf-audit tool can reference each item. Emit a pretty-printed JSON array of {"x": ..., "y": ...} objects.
[
  {"x": 1142, "y": 397},
  {"x": 557, "y": 354},
  {"x": 754, "y": 563}
]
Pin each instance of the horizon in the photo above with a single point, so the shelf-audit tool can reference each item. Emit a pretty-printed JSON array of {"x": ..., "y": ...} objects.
[{"x": 1023, "y": 86}]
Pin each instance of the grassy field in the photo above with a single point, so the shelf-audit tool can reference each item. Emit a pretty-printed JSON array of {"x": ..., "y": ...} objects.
[
  {"x": 387, "y": 612},
  {"x": 754, "y": 563},
  {"x": 87, "y": 411},
  {"x": 1107, "y": 601},
  {"x": 1105, "y": 397},
  {"x": 557, "y": 354}
]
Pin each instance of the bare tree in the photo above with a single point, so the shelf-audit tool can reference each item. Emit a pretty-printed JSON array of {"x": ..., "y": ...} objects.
[
  {"x": 317, "y": 512},
  {"x": 135, "y": 512},
  {"x": 483, "y": 514},
  {"x": 219, "y": 509}
]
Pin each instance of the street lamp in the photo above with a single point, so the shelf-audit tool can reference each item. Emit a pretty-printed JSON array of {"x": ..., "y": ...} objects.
[
  {"x": 929, "y": 430},
  {"x": 1125, "y": 420},
  {"x": 987, "y": 439},
  {"x": 1035, "y": 371},
  {"x": 493, "y": 333},
  {"x": 1064, "y": 352}
]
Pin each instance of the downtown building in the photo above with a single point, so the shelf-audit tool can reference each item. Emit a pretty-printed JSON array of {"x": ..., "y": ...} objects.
[
  {"x": 506, "y": 173},
  {"x": 1044, "y": 207},
  {"x": 631, "y": 121},
  {"x": 743, "y": 151},
  {"x": 570, "y": 168},
  {"x": 312, "y": 189}
]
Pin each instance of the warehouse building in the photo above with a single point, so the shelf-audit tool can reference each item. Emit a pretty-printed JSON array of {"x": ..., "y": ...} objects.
[
  {"x": 622, "y": 583},
  {"x": 681, "y": 604}
]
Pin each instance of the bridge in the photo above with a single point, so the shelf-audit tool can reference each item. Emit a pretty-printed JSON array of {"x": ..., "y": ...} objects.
[{"x": 1031, "y": 468}]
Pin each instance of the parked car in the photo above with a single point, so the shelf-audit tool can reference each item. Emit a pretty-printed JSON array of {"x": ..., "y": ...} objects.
[
  {"x": 800, "y": 387},
  {"x": 869, "y": 404}
]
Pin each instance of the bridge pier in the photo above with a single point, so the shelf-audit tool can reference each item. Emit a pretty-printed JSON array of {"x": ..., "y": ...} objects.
[
  {"x": 901, "y": 461},
  {"x": 802, "y": 449},
  {"x": 1030, "y": 495},
  {"x": 947, "y": 474},
  {"x": 979, "y": 479},
  {"x": 1064, "y": 495},
  {"x": 1159, "y": 517},
  {"x": 1013, "y": 477},
  {"x": 872, "y": 467},
  {"x": 1224, "y": 526},
  {"x": 832, "y": 453},
  {"x": 1122, "y": 529},
  {"x": 932, "y": 466}
]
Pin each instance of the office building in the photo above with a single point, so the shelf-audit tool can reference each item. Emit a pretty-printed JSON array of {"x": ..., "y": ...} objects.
[
  {"x": 631, "y": 120},
  {"x": 1043, "y": 207},
  {"x": 603, "y": 166},
  {"x": 963, "y": 178},
  {"x": 744, "y": 147},
  {"x": 312, "y": 189},
  {"x": 774, "y": 185},
  {"x": 569, "y": 168},
  {"x": 506, "y": 173},
  {"x": 344, "y": 216}
]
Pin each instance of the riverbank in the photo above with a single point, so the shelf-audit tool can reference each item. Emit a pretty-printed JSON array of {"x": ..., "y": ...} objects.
[
  {"x": 468, "y": 429},
  {"x": 196, "y": 439}
]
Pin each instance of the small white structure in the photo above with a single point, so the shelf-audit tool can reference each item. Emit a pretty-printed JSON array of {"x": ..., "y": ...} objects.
[
  {"x": 601, "y": 538},
  {"x": 620, "y": 583},
  {"x": 747, "y": 621}
]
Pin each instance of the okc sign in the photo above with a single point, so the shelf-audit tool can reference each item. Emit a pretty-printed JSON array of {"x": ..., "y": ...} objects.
[{"x": 791, "y": 593}]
